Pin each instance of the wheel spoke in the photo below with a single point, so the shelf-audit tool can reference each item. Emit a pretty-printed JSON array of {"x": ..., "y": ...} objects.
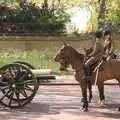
[
  {"x": 11, "y": 74},
  {"x": 3, "y": 83},
  {"x": 5, "y": 95},
  {"x": 23, "y": 92},
  {"x": 3, "y": 88},
  {"x": 29, "y": 88},
  {"x": 18, "y": 98},
  {"x": 11, "y": 98},
  {"x": 25, "y": 82},
  {"x": 22, "y": 77},
  {"x": 17, "y": 74}
]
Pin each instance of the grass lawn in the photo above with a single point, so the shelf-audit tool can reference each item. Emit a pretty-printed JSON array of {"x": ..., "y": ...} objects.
[{"x": 42, "y": 59}]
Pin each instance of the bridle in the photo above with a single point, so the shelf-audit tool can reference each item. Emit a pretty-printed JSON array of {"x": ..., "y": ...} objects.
[{"x": 64, "y": 61}]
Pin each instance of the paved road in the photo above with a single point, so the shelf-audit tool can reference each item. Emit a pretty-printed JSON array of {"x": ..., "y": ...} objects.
[{"x": 63, "y": 102}]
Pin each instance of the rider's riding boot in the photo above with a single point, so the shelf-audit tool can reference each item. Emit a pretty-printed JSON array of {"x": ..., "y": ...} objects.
[
  {"x": 88, "y": 78},
  {"x": 87, "y": 71},
  {"x": 87, "y": 74}
]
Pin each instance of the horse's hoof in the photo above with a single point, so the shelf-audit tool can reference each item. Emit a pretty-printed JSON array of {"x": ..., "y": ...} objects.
[
  {"x": 101, "y": 104},
  {"x": 84, "y": 110}
]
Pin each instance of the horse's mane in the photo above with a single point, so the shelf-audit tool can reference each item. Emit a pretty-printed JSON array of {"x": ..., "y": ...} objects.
[{"x": 77, "y": 53}]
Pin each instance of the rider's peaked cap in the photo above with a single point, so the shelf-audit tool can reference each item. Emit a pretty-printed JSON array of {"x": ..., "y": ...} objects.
[
  {"x": 99, "y": 33},
  {"x": 107, "y": 32}
]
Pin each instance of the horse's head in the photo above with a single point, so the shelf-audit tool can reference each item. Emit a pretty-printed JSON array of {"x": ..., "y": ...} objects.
[{"x": 63, "y": 57}]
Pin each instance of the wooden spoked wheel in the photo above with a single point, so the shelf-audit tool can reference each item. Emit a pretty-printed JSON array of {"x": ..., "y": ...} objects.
[
  {"x": 17, "y": 85},
  {"x": 28, "y": 65}
]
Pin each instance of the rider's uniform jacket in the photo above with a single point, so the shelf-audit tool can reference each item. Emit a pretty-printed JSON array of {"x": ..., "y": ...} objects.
[
  {"x": 96, "y": 54},
  {"x": 108, "y": 45}
]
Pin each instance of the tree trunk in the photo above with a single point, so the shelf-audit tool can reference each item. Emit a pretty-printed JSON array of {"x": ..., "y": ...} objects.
[
  {"x": 45, "y": 4},
  {"x": 102, "y": 13}
]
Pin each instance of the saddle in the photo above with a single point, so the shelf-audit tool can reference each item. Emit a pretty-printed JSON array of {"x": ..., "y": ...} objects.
[{"x": 93, "y": 68}]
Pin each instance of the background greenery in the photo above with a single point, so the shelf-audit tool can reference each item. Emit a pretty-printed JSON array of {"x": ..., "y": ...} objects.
[
  {"x": 40, "y": 60},
  {"x": 49, "y": 17},
  {"x": 22, "y": 17}
]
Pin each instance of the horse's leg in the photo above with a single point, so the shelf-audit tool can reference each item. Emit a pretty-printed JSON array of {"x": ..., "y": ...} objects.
[
  {"x": 88, "y": 77},
  {"x": 84, "y": 93},
  {"x": 82, "y": 98},
  {"x": 90, "y": 90},
  {"x": 89, "y": 86},
  {"x": 101, "y": 92},
  {"x": 83, "y": 85}
]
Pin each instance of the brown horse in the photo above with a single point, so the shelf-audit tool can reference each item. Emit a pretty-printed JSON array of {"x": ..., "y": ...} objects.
[{"x": 108, "y": 70}]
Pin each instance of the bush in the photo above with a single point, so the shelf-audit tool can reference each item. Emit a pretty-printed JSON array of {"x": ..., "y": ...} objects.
[{"x": 29, "y": 19}]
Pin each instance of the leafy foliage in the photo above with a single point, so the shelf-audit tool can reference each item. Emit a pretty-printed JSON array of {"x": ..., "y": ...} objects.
[
  {"x": 49, "y": 19},
  {"x": 29, "y": 18},
  {"x": 112, "y": 16}
]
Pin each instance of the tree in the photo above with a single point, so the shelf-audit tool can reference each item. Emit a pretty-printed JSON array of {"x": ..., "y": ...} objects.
[{"x": 105, "y": 13}]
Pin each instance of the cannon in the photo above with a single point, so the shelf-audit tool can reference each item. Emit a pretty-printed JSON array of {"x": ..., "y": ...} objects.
[{"x": 19, "y": 82}]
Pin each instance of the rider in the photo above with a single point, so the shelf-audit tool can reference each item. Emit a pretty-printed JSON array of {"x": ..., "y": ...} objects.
[
  {"x": 108, "y": 44},
  {"x": 96, "y": 54}
]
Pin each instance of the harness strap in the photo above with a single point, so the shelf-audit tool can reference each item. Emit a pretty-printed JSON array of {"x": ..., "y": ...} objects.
[
  {"x": 97, "y": 72},
  {"x": 98, "y": 66}
]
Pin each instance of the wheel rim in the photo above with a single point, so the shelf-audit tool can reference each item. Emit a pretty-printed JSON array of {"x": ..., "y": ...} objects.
[{"x": 25, "y": 63}]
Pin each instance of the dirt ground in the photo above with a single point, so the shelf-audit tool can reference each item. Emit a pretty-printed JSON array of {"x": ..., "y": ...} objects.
[{"x": 62, "y": 102}]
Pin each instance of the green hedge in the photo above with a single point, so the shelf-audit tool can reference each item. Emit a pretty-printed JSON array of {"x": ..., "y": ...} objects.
[{"x": 30, "y": 19}]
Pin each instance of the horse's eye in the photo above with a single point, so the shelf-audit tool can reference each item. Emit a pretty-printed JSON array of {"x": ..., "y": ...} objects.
[
  {"x": 62, "y": 57},
  {"x": 62, "y": 51}
]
